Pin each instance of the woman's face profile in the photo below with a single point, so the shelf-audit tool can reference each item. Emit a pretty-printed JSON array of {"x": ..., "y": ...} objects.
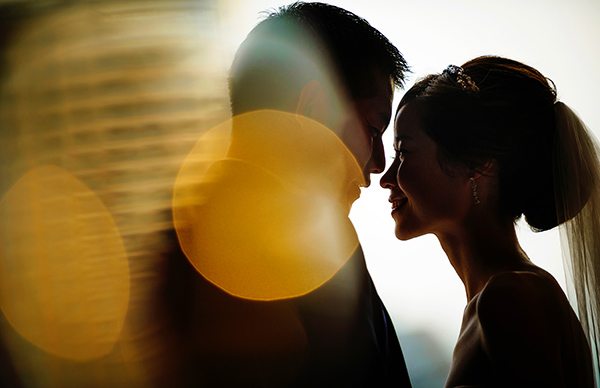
[{"x": 425, "y": 199}]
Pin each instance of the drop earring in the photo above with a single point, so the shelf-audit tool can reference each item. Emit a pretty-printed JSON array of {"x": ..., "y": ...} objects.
[{"x": 474, "y": 190}]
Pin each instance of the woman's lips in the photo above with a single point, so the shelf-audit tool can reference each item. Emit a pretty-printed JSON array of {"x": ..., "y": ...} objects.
[{"x": 397, "y": 203}]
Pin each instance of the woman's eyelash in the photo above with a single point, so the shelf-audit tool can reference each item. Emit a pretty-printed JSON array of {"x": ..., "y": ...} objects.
[{"x": 398, "y": 152}]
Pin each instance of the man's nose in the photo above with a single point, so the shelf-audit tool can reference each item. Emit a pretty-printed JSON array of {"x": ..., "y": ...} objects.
[{"x": 376, "y": 164}]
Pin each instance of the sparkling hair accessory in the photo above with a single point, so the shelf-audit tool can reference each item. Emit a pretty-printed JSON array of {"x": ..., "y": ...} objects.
[{"x": 462, "y": 78}]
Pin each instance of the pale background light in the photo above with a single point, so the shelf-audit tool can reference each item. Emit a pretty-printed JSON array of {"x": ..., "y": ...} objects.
[{"x": 559, "y": 38}]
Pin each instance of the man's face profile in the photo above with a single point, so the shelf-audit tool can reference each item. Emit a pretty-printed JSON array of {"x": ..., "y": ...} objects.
[{"x": 363, "y": 122}]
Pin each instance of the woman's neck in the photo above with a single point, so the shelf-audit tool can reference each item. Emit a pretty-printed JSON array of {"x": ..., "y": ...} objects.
[{"x": 480, "y": 250}]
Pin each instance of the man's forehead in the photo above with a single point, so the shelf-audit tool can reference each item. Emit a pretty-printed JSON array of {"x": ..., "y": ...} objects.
[
  {"x": 384, "y": 85},
  {"x": 377, "y": 109},
  {"x": 375, "y": 83}
]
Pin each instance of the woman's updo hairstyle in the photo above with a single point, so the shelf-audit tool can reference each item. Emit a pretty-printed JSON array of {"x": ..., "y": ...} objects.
[{"x": 503, "y": 113}]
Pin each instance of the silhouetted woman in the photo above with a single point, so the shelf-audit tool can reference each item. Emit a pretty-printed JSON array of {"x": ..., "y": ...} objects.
[{"x": 477, "y": 147}]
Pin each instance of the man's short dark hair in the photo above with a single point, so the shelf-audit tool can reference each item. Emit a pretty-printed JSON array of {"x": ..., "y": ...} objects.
[{"x": 271, "y": 64}]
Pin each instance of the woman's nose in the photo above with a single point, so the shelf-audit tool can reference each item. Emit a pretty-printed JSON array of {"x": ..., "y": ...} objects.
[{"x": 388, "y": 180}]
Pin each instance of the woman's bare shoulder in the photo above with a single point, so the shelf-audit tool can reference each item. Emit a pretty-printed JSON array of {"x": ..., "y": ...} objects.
[
  {"x": 523, "y": 317},
  {"x": 525, "y": 292},
  {"x": 522, "y": 299}
]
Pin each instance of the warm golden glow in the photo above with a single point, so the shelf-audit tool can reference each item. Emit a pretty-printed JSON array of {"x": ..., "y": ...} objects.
[
  {"x": 64, "y": 276},
  {"x": 115, "y": 93},
  {"x": 264, "y": 215}
]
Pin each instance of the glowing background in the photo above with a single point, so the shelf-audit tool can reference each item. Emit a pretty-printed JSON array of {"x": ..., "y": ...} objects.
[
  {"x": 250, "y": 222},
  {"x": 100, "y": 103}
]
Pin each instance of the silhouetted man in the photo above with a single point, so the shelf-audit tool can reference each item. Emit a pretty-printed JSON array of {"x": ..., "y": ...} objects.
[{"x": 289, "y": 301}]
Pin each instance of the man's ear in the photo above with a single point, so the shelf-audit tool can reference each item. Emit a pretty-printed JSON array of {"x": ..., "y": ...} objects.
[{"x": 313, "y": 102}]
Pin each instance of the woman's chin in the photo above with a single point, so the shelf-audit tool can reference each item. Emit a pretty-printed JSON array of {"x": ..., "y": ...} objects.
[
  {"x": 405, "y": 233},
  {"x": 401, "y": 234}
]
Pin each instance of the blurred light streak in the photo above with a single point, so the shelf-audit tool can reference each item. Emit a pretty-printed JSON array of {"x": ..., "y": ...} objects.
[
  {"x": 64, "y": 276},
  {"x": 266, "y": 217},
  {"x": 114, "y": 94}
]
